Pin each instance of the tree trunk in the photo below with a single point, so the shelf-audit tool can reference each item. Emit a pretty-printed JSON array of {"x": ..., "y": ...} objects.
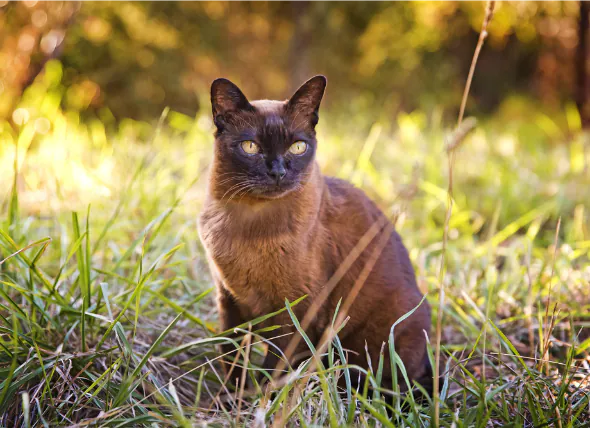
[{"x": 581, "y": 65}]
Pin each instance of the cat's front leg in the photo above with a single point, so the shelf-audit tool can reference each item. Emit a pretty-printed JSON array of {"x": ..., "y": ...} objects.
[{"x": 229, "y": 317}]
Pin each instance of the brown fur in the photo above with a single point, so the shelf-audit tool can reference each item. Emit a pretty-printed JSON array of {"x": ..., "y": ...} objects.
[{"x": 262, "y": 251}]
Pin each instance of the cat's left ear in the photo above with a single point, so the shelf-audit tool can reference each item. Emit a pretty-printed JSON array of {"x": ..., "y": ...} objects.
[{"x": 306, "y": 100}]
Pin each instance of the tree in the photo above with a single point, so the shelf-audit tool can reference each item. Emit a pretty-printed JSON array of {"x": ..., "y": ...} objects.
[{"x": 582, "y": 64}]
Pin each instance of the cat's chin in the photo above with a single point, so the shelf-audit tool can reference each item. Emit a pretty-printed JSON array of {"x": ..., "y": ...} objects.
[{"x": 274, "y": 192}]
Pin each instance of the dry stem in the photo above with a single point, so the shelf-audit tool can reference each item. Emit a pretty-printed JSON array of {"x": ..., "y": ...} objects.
[{"x": 450, "y": 157}]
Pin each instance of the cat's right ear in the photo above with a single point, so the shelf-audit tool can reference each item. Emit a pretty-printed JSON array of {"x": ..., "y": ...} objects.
[{"x": 226, "y": 98}]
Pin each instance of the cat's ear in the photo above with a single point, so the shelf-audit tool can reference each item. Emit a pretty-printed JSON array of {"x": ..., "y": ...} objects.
[
  {"x": 226, "y": 97},
  {"x": 306, "y": 100}
]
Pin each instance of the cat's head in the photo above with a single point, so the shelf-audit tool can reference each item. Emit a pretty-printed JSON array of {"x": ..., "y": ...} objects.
[{"x": 264, "y": 149}]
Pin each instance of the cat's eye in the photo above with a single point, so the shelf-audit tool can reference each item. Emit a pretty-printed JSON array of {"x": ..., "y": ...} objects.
[
  {"x": 250, "y": 147},
  {"x": 298, "y": 147}
]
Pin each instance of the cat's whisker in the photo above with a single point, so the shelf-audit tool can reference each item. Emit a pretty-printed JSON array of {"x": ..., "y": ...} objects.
[
  {"x": 232, "y": 188},
  {"x": 240, "y": 188},
  {"x": 241, "y": 194},
  {"x": 233, "y": 195},
  {"x": 246, "y": 191},
  {"x": 231, "y": 175},
  {"x": 234, "y": 174},
  {"x": 227, "y": 180}
]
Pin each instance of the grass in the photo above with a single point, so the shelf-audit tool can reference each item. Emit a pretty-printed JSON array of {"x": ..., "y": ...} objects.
[{"x": 107, "y": 314}]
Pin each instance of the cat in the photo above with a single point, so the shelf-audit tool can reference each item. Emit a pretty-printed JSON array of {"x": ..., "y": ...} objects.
[{"x": 275, "y": 228}]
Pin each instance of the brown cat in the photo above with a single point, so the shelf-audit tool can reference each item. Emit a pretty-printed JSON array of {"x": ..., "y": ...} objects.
[{"x": 275, "y": 228}]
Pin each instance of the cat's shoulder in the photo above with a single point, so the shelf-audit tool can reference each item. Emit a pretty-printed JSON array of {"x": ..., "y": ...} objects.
[
  {"x": 345, "y": 194},
  {"x": 342, "y": 188}
]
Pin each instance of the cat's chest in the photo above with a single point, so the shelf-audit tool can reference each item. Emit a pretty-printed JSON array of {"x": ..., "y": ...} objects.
[{"x": 265, "y": 266}]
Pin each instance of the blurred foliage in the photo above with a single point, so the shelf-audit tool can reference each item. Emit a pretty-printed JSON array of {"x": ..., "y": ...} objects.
[
  {"x": 135, "y": 58},
  {"x": 520, "y": 160},
  {"x": 80, "y": 80}
]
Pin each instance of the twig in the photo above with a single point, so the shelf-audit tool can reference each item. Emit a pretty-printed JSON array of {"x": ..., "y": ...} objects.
[
  {"x": 482, "y": 36},
  {"x": 248, "y": 340},
  {"x": 450, "y": 157},
  {"x": 549, "y": 329}
]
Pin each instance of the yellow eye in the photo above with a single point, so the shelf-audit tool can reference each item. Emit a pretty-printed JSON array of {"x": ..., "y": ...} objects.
[
  {"x": 250, "y": 147},
  {"x": 298, "y": 147}
]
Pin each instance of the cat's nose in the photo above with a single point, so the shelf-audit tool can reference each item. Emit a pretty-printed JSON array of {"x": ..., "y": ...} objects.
[{"x": 277, "y": 170}]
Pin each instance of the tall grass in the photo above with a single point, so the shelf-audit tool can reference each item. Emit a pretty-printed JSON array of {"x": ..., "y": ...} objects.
[{"x": 106, "y": 309}]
